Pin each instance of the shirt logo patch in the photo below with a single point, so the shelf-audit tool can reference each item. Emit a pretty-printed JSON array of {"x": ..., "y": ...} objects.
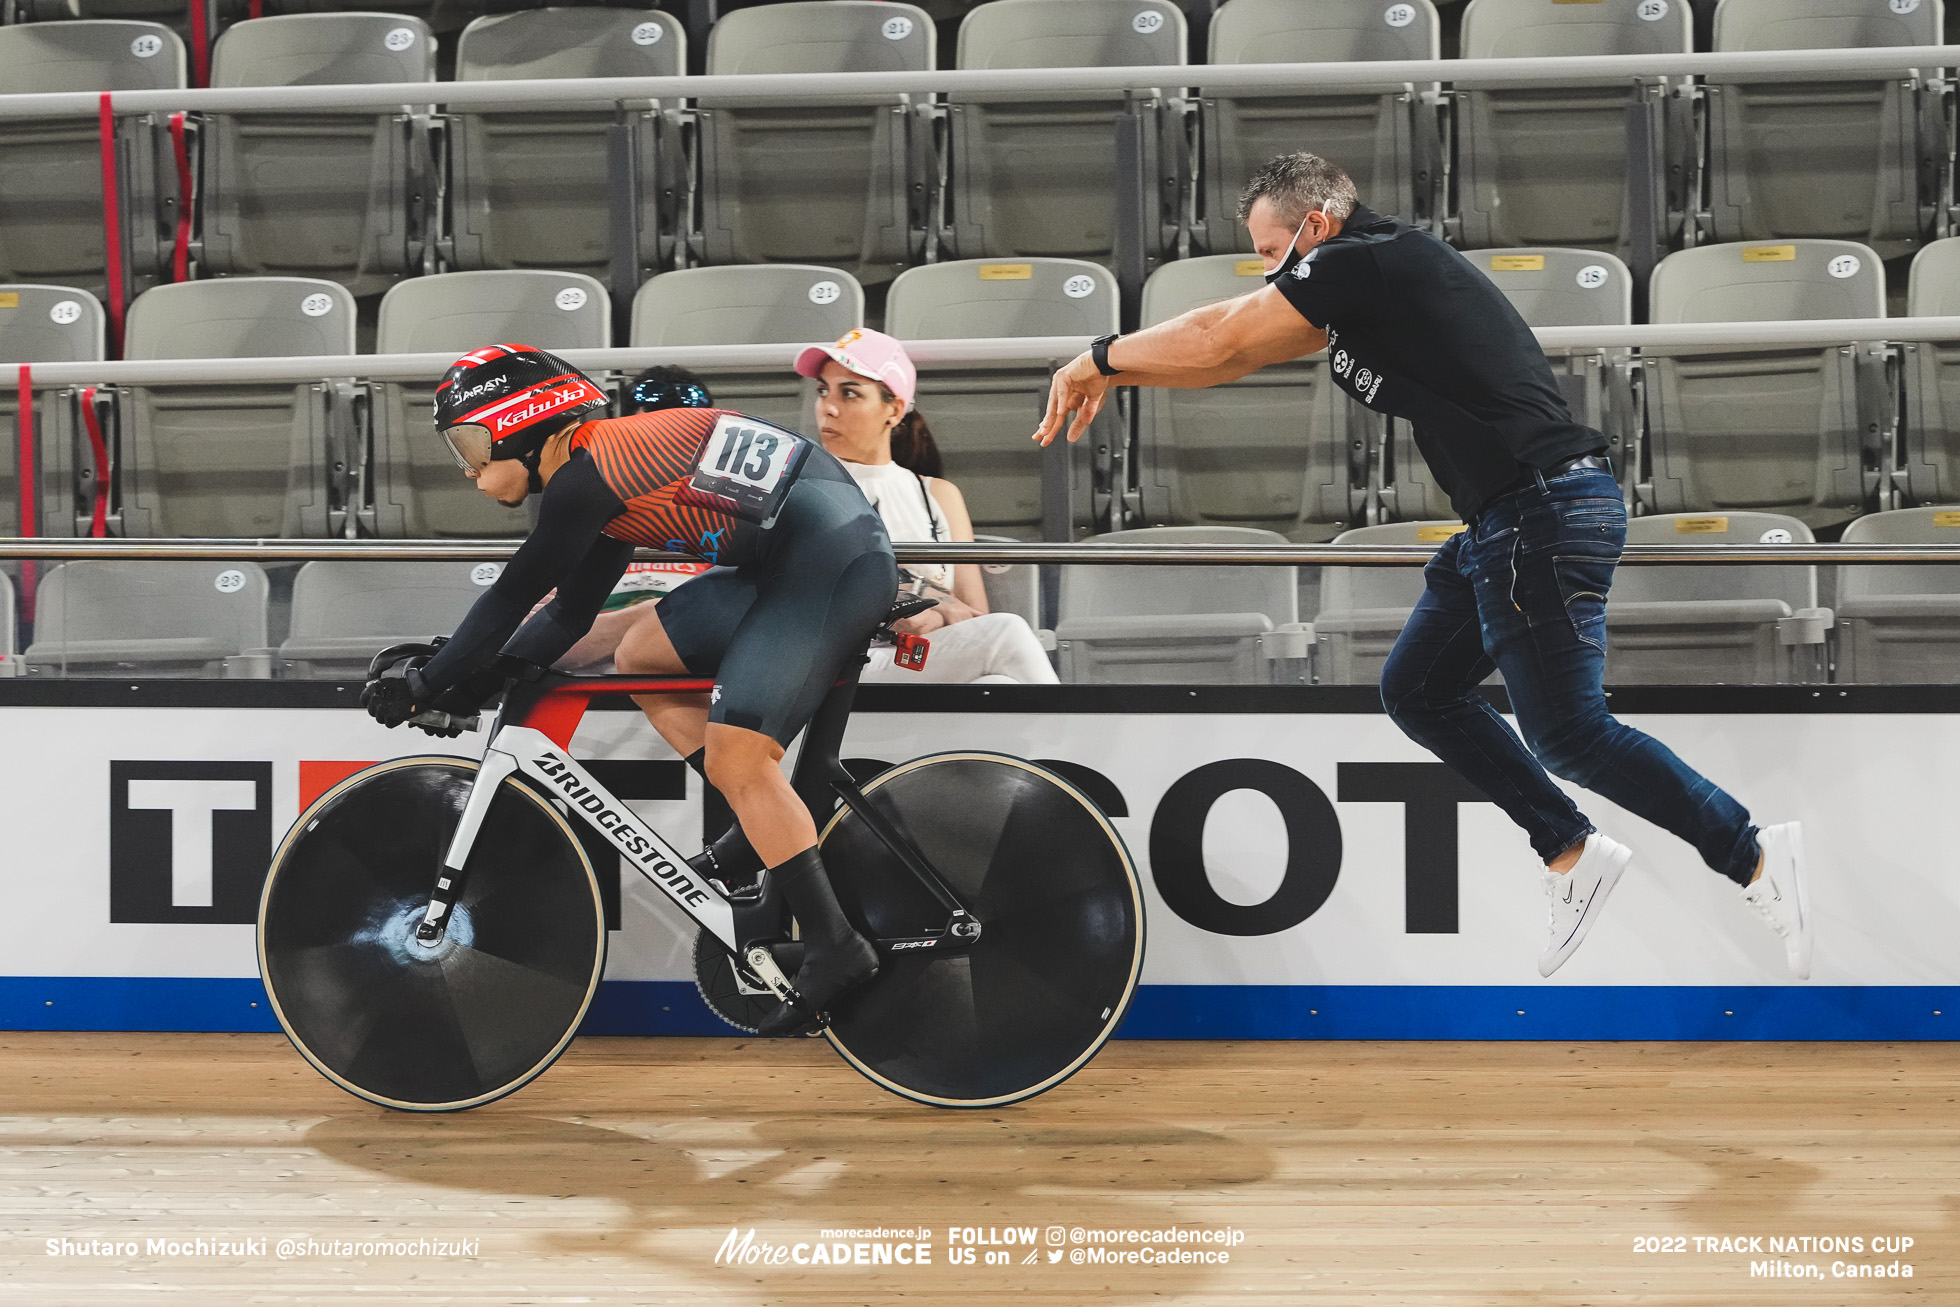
[{"x": 1303, "y": 269}]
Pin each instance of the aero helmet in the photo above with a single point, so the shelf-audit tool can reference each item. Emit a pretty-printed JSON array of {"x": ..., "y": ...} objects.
[{"x": 505, "y": 401}]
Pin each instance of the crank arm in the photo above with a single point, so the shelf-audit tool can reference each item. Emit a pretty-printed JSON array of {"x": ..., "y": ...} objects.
[
  {"x": 762, "y": 964},
  {"x": 961, "y": 931}
]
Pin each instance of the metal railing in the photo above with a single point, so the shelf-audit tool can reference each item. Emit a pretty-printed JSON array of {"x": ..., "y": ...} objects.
[
  {"x": 1024, "y": 351},
  {"x": 1214, "y": 79},
  {"x": 1089, "y": 554}
]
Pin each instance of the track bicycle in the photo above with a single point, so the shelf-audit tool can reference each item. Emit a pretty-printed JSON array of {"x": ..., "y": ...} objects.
[{"x": 431, "y": 931}]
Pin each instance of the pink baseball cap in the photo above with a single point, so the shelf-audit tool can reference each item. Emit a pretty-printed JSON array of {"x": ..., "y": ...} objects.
[{"x": 869, "y": 354}]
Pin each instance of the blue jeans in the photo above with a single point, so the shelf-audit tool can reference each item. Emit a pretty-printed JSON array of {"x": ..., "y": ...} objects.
[{"x": 1524, "y": 590}]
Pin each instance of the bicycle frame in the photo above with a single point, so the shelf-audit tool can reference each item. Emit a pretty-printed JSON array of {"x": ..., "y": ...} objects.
[{"x": 532, "y": 734}]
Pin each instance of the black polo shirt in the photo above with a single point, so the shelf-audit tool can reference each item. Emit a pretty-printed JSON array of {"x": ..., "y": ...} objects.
[{"x": 1414, "y": 330}]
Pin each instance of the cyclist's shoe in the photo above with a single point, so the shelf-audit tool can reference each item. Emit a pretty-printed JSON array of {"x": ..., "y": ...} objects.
[
  {"x": 837, "y": 958},
  {"x": 734, "y": 867},
  {"x": 827, "y": 973}
]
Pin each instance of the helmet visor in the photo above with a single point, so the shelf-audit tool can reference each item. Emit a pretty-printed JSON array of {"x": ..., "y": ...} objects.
[{"x": 469, "y": 445}]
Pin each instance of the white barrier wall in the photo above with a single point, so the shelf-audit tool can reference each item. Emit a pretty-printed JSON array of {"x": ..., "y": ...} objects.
[{"x": 1309, "y": 873}]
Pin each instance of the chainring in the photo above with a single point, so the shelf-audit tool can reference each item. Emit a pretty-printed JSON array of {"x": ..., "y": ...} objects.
[{"x": 721, "y": 985}]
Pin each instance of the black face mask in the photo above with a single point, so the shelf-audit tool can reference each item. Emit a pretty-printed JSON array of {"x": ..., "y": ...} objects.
[{"x": 1293, "y": 254}]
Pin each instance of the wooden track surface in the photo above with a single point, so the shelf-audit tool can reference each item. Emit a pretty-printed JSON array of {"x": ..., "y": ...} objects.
[{"x": 1498, "y": 1175}]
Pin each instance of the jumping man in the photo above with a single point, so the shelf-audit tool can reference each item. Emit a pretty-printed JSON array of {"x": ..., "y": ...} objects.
[{"x": 1414, "y": 330}]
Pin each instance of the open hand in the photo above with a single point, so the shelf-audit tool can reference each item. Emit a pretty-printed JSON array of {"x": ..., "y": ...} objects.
[{"x": 1079, "y": 389}]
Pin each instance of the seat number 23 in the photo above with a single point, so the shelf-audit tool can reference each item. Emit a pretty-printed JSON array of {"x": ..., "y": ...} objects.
[{"x": 746, "y": 468}]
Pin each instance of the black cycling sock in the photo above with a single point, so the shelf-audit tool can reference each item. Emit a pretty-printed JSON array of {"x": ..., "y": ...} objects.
[
  {"x": 806, "y": 885},
  {"x": 836, "y": 958}
]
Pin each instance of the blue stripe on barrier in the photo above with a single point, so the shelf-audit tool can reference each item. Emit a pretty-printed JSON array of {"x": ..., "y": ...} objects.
[
  {"x": 1821, "y": 1012},
  {"x": 134, "y": 1003},
  {"x": 669, "y": 1007}
]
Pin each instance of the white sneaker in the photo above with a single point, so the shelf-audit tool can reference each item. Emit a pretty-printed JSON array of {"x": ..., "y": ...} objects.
[
  {"x": 1779, "y": 893},
  {"x": 1577, "y": 896}
]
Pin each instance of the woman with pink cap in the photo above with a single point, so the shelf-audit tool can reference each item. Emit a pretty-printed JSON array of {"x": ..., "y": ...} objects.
[{"x": 866, "y": 417}]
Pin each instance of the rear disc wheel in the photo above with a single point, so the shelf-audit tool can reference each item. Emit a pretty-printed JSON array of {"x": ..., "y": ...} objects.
[{"x": 1061, "y": 944}]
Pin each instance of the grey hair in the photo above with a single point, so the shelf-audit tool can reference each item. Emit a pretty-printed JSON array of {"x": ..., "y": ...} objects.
[{"x": 1297, "y": 184}]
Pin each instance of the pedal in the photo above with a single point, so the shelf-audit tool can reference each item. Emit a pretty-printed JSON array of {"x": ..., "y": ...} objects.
[
  {"x": 789, "y": 957},
  {"x": 737, "y": 893},
  {"x": 762, "y": 964}
]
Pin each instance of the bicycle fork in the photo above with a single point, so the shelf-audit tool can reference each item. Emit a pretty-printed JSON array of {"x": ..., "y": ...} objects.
[{"x": 496, "y": 768}]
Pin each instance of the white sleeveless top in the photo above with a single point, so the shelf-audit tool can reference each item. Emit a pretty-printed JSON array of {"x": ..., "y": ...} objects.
[{"x": 904, "y": 500}]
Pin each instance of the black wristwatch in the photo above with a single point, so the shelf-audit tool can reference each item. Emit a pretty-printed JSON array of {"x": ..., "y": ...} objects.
[{"x": 1099, "y": 353}]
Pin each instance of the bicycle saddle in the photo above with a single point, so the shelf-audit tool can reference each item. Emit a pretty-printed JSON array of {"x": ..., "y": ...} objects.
[{"x": 909, "y": 606}]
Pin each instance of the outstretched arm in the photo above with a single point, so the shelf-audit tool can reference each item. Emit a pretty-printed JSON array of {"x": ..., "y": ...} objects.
[
  {"x": 566, "y": 550},
  {"x": 1204, "y": 347}
]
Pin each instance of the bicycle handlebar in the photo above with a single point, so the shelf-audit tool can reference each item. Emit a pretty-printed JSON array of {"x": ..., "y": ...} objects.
[{"x": 442, "y": 721}]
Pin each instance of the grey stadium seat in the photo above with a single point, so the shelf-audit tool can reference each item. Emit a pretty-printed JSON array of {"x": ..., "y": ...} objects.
[
  {"x": 530, "y": 189},
  {"x": 1378, "y": 134},
  {"x": 261, "y": 460},
  {"x": 1282, "y": 449},
  {"x": 151, "y": 619},
  {"x": 1039, "y": 177},
  {"x": 1731, "y": 624},
  {"x": 417, "y": 491},
  {"x": 51, "y": 226},
  {"x": 1848, "y": 159},
  {"x": 1198, "y": 625},
  {"x": 983, "y": 417},
  {"x": 344, "y": 613},
  {"x": 1548, "y": 166},
  {"x": 1900, "y": 623},
  {"x": 45, "y": 324},
  {"x": 1013, "y": 588},
  {"x": 765, "y": 304},
  {"x": 1363, "y": 609},
  {"x": 839, "y": 184},
  {"x": 1931, "y": 474},
  {"x": 1552, "y": 287},
  {"x": 1774, "y": 430},
  {"x": 1577, "y": 288},
  {"x": 320, "y": 194},
  {"x": 49, "y": 324}
]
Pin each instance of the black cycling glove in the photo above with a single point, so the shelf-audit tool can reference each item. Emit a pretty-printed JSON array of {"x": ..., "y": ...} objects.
[
  {"x": 388, "y": 701},
  {"x": 395, "y": 693}
]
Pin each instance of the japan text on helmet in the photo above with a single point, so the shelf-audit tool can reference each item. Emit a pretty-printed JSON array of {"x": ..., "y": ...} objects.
[{"x": 505, "y": 401}]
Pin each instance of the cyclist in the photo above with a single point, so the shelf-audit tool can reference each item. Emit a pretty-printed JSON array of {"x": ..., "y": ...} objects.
[{"x": 804, "y": 575}]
